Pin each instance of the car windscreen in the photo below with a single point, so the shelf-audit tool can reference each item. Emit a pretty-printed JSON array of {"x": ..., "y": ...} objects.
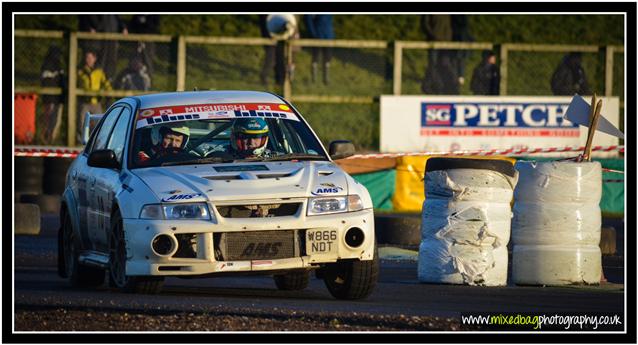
[{"x": 221, "y": 133}]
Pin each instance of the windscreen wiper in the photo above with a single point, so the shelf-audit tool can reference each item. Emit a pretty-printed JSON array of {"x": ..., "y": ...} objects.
[
  {"x": 199, "y": 161},
  {"x": 295, "y": 156}
]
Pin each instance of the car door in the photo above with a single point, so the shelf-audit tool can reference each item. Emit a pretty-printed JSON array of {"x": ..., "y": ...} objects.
[
  {"x": 108, "y": 180},
  {"x": 94, "y": 211}
]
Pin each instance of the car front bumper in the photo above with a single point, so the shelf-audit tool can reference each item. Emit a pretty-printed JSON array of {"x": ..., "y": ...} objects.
[{"x": 143, "y": 260}]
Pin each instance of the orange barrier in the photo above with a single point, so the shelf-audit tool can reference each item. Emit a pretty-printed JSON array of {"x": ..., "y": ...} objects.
[{"x": 24, "y": 117}]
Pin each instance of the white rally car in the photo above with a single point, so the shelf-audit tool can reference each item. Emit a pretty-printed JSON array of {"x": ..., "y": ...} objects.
[{"x": 209, "y": 183}]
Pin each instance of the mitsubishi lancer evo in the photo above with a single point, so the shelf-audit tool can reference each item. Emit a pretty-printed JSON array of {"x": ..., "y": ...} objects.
[{"x": 205, "y": 183}]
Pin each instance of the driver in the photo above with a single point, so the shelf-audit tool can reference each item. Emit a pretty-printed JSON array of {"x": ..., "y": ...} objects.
[
  {"x": 173, "y": 140},
  {"x": 249, "y": 138}
]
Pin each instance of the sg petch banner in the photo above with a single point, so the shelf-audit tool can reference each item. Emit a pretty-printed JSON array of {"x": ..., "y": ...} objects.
[{"x": 454, "y": 123}]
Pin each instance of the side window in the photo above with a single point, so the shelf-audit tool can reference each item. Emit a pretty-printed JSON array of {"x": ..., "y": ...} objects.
[
  {"x": 105, "y": 130},
  {"x": 118, "y": 136}
]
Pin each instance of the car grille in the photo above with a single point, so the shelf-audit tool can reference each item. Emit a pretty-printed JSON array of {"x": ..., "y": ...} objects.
[
  {"x": 258, "y": 245},
  {"x": 259, "y": 211}
]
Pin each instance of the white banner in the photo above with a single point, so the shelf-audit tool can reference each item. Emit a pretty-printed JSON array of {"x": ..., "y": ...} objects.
[{"x": 453, "y": 123}]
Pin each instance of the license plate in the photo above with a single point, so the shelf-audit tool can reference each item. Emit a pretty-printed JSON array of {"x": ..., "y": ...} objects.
[{"x": 321, "y": 241}]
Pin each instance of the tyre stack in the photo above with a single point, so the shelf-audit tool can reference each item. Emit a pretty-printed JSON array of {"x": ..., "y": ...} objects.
[
  {"x": 28, "y": 172},
  {"x": 43, "y": 182},
  {"x": 466, "y": 219},
  {"x": 556, "y": 224},
  {"x": 28, "y": 175}
]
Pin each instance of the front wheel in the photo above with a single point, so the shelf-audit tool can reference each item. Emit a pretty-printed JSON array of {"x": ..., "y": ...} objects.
[
  {"x": 352, "y": 279},
  {"x": 117, "y": 264}
]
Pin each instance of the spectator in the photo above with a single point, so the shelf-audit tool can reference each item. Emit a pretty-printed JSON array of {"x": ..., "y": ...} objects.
[
  {"x": 145, "y": 24},
  {"x": 134, "y": 77},
  {"x": 441, "y": 77},
  {"x": 52, "y": 75},
  {"x": 91, "y": 78},
  {"x": 320, "y": 26},
  {"x": 486, "y": 77},
  {"x": 109, "y": 48},
  {"x": 89, "y": 23},
  {"x": 274, "y": 57},
  {"x": 460, "y": 33},
  {"x": 569, "y": 77}
]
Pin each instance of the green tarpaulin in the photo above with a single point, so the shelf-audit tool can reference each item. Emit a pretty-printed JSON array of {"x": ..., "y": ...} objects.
[{"x": 380, "y": 184}]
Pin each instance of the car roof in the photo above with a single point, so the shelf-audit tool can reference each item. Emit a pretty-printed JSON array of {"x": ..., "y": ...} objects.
[{"x": 206, "y": 97}]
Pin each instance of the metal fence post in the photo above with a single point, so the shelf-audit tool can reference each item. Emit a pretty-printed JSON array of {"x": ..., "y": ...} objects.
[
  {"x": 181, "y": 63},
  {"x": 503, "y": 87},
  {"x": 609, "y": 70},
  {"x": 72, "y": 92},
  {"x": 398, "y": 64},
  {"x": 287, "y": 71}
]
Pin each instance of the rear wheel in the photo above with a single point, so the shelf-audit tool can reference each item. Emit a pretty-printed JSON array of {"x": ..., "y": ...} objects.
[
  {"x": 117, "y": 264},
  {"x": 352, "y": 279},
  {"x": 295, "y": 280},
  {"x": 79, "y": 275}
]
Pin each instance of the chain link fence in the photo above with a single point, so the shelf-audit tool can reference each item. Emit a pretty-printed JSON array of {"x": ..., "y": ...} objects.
[
  {"x": 531, "y": 73},
  {"x": 336, "y": 84},
  {"x": 41, "y": 60},
  {"x": 459, "y": 65}
]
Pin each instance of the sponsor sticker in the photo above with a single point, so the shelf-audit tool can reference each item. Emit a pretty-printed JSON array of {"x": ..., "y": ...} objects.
[
  {"x": 232, "y": 266},
  {"x": 157, "y": 115},
  {"x": 327, "y": 188},
  {"x": 262, "y": 263},
  {"x": 147, "y": 112},
  {"x": 180, "y": 197}
]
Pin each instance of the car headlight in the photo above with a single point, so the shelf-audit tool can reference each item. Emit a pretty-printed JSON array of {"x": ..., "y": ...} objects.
[
  {"x": 176, "y": 211},
  {"x": 336, "y": 204}
]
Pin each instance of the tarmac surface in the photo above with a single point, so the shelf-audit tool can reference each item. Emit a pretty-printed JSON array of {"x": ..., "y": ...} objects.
[{"x": 44, "y": 301}]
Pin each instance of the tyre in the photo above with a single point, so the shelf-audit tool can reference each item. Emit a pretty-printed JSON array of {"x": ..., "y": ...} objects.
[
  {"x": 296, "y": 280},
  {"x": 28, "y": 174},
  {"x": 48, "y": 203},
  {"x": 352, "y": 279},
  {"x": 401, "y": 229},
  {"x": 117, "y": 264},
  {"x": 446, "y": 163},
  {"x": 68, "y": 265},
  {"x": 27, "y": 219}
]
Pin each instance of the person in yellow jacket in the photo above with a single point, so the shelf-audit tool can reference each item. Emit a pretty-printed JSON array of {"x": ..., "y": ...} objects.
[{"x": 91, "y": 78}]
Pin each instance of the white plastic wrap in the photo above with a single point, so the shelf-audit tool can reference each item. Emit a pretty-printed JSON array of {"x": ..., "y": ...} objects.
[
  {"x": 469, "y": 185},
  {"x": 556, "y": 223},
  {"x": 556, "y": 264},
  {"x": 465, "y": 227},
  {"x": 558, "y": 181},
  {"x": 444, "y": 262},
  {"x": 466, "y": 222}
]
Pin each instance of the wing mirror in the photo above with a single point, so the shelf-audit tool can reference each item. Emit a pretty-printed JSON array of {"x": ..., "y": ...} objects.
[
  {"x": 103, "y": 159},
  {"x": 340, "y": 149}
]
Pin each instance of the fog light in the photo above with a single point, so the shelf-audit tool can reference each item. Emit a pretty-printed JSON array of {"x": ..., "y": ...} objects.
[
  {"x": 354, "y": 237},
  {"x": 163, "y": 245}
]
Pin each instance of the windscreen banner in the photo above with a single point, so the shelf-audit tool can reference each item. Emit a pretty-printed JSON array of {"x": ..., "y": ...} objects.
[{"x": 457, "y": 123}]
